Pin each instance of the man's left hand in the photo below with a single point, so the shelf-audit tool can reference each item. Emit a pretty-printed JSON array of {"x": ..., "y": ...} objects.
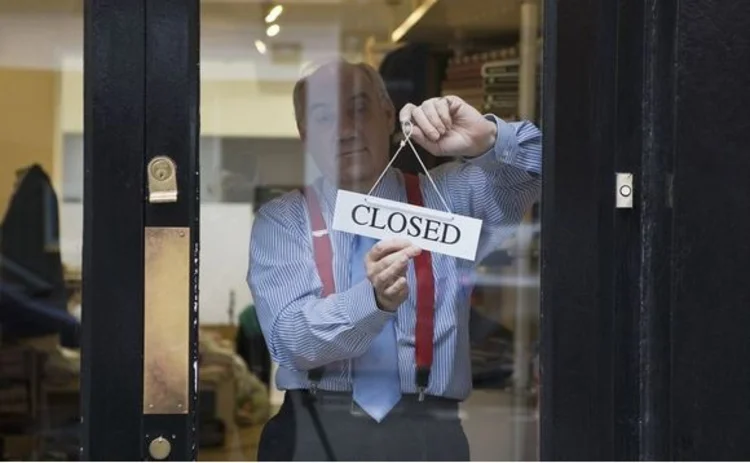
[{"x": 449, "y": 126}]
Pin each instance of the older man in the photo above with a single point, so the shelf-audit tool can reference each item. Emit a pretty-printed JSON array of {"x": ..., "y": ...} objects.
[{"x": 340, "y": 312}]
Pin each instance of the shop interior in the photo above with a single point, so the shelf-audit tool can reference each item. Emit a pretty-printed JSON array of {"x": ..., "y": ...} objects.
[{"x": 487, "y": 52}]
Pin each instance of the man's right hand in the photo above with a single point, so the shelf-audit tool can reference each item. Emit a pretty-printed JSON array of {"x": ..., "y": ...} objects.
[{"x": 386, "y": 265}]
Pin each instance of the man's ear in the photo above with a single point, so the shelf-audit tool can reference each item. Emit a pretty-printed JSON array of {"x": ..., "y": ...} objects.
[{"x": 302, "y": 132}]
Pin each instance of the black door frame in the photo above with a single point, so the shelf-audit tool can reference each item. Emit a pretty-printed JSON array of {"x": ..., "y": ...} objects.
[
  {"x": 632, "y": 367},
  {"x": 643, "y": 320},
  {"x": 141, "y": 84},
  {"x": 606, "y": 272}
]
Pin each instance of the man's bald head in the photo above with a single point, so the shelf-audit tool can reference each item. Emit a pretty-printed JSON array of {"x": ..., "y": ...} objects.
[
  {"x": 345, "y": 117},
  {"x": 331, "y": 69}
]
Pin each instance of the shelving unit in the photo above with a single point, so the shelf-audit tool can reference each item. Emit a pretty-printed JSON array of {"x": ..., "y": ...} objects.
[
  {"x": 478, "y": 32},
  {"x": 488, "y": 81}
]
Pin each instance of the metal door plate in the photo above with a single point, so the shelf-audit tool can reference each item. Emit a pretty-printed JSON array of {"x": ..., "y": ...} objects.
[{"x": 166, "y": 349}]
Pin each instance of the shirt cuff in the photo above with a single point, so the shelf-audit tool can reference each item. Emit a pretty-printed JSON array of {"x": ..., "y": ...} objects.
[
  {"x": 359, "y": 302},
  {"x": 505, "y": 149}
]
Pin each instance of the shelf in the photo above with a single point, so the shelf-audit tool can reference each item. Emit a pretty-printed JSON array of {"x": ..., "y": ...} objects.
[{"x": 445, "y": 21}]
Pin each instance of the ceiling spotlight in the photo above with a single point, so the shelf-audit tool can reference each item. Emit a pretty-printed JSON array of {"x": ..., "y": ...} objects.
[
  {"x": 273, "y": 30},
  {"x": 261, "y": 47},
  {"x": 274, "y": 14}
]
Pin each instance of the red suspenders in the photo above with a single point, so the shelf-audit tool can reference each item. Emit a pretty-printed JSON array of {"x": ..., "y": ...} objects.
[
  {"x": 425, "y": 298},
  {"x": 323, "y": 252},
  {"x": 321, "y": 243}
]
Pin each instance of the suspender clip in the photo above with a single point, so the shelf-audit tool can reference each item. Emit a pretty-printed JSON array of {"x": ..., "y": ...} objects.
[
  {"x": 315, "y": 376},
  {"x": 423, "y": 380}
]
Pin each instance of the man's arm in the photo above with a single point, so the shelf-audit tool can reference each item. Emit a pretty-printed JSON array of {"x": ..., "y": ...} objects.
[
  {"x": 304, "y": 331},
  {"x": 499, "y": 186}
]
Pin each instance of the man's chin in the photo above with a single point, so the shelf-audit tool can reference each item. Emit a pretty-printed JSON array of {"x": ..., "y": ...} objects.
[{"x": 360, "y": 184}]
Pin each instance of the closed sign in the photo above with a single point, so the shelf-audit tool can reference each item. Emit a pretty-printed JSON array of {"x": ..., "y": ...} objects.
[{"x": 435, "y": 231}]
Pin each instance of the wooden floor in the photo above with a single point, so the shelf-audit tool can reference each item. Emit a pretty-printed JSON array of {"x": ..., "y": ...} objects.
[{"x": 241, "y": 445}]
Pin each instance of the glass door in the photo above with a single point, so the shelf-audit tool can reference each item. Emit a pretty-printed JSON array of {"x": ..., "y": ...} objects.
[
  {"x": 102, "y": 183},
  {"x": 312, "y": 94}
]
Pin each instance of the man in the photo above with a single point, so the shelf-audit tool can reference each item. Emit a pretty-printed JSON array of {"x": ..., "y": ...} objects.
[{"x": 346, "y": 353}]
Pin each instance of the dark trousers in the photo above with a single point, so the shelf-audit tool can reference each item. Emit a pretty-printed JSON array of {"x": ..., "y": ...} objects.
[{"x": 414, "y": 431}]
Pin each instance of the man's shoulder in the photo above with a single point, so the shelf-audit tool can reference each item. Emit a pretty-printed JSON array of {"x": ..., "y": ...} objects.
[{"x": 284, "y": 211}]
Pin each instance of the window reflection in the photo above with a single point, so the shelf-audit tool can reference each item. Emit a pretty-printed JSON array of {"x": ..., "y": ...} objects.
[
  {"x": 248, "y": 108},
  {"x": 40, "y": 230},
  {"x": 251, "y": 153}
]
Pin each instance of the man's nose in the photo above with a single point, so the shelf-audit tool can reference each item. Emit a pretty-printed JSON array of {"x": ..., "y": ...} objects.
[{"x": 347, "y": 126}]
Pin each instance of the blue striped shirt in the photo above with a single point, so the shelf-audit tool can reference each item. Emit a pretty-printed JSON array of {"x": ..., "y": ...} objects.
[{"x": 304, "y": 331}]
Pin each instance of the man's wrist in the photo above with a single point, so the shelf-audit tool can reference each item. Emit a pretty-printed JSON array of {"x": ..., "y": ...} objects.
[
  {"x": 490, "y": 139},
  {"x": 380, "y": 305}
]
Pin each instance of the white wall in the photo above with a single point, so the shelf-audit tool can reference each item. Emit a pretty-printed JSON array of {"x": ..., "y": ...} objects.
[
  {"x": 240, "y": 108},
  {"x": 243, "y": 93},
  {"x": 225, "y": 238}
]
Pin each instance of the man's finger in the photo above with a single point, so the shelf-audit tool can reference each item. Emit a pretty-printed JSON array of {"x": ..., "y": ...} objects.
[
  {"x": 376, "y": 268},
  {"x": 444, "y": 112},
  {"x": 397, "y": 289},
  {"x": 424, "y": 124},
  {"x": 430, "y": 110},
  {"x": 454, "y": 102},
  {"x": 405, "y": 114},
  {"x": 419, "y": 137},
  {"x": 391, "y": 273},
  {"x": 385, "y": 247}
]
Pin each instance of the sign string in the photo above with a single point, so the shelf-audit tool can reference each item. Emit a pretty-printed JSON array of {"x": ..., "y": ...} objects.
[{"x": 408, "y": 128}]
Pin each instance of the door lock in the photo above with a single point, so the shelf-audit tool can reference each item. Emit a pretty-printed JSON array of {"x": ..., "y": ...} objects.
[{"x": 162, "y": 180}]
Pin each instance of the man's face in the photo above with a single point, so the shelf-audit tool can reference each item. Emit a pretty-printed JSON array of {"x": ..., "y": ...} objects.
[{"x": 346, "y": 126}]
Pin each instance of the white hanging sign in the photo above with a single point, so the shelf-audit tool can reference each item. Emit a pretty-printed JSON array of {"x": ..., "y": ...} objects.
[{"x": 431, "y": 230}]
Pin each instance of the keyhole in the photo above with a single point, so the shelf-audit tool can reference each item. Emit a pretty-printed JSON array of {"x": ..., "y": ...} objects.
[{"x": 161, "y": 170}]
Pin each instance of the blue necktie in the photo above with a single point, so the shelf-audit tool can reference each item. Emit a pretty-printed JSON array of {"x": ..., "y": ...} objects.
[{"x": 377, "y": 387}]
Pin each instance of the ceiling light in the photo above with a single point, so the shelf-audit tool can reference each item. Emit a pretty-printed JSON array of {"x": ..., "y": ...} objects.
[
  {"x": 261, "y": 47},
  {"x": 273, "y": 30},
  {"x": 274, "y": 13}
]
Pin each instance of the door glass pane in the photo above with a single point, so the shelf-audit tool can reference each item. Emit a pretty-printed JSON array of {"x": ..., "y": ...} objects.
[
  {"x": 306, "y": 96},
  {"x": 41, "y": 189}
]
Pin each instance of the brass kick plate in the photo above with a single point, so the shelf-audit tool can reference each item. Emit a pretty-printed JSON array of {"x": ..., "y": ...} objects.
[{"x": 166, "y": 349}]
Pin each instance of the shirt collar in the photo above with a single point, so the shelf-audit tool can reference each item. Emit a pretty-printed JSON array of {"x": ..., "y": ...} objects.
[{"x": 390, "y": 187}]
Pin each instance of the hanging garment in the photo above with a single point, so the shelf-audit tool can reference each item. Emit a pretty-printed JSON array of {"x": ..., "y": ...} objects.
[{"x": 33, "y": 299}]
